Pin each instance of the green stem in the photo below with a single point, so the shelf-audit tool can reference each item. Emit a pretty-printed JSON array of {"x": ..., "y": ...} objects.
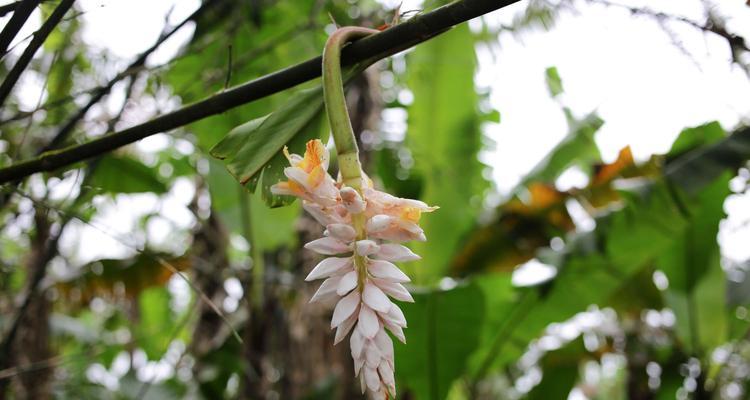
[
  {"x": 341, "y": 126},
  {"x": 335, "y": 101}
]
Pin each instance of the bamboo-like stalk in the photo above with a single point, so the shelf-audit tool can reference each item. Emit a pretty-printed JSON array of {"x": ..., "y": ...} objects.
[{"x": 335, "y": 101}]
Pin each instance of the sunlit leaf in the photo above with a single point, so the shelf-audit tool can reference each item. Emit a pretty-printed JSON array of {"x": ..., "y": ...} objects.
[{"x": 554, "y": 83}]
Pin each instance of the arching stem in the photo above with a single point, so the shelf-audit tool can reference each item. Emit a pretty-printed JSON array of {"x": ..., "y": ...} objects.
[
  {"x": 335, "y": 101},
  {"x": 341, "y": 127}
]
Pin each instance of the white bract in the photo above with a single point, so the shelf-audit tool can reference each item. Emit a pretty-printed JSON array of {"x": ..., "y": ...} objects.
[{"x": 360, "y": 274}]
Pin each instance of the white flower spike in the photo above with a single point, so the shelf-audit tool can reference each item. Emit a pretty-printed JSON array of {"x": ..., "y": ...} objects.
[{"x": 361, "y": 275}]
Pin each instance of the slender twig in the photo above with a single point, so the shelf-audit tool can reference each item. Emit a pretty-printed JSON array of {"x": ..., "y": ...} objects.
[
  {"x": 21, "y": 13},
  {"x": 25, "y": 133},
  {"x": 9, "y": 8},
  {"x": 63, "y": 133},
  {"x": 39, "y": 37},
  {"x": 383, "y": 44}
]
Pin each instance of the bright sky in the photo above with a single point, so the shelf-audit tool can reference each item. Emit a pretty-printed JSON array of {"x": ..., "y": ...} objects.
[{"x": 625, "y": 67}]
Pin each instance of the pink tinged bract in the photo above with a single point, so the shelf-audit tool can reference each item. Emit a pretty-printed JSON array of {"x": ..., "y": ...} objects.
[
  {"x": 324, "y": 216},
  {"x": 396, "y": 253},
  {"x": 385, "y": 344},
  {"x": 372, "y": 355},
  {"x": 328, "y": 246},
  {"x": 397, "y": 331},
  {"x": 386, "y": 270},
  {"x": 357, "y": 344},
  {"x": 366, "y": 247},
  {"x": 352, "y": 200},
  {"x": 375, "y": 298},
  {"x": 347, "y": 283},
  {"x": 327, "y": 289},
  {"x": 379, "y": 223},
  {"x": 386, "y": 375},
  {"x": 368, "y": 321},
  {"x": 345, "y": 308},
  {"x": 397, "y": 316},
  {"x": 342, "y": 232},
  {"x": 394, "y": 289},
  {"x": 329, "y": 266},
  {"x": 372, "y": 378},
  {"x": 344, "y": 328}
]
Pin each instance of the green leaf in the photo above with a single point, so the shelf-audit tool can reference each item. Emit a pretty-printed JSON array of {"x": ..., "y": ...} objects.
[
  {"x": 554, "y": 83},
  {"x": 691, "y": 138},
  {"x": 577, "y": 148},
  {"x": 443, "y": 330},
  {"x": 693, "y": 269},
  {"x": 121, "y": 174},
  {"x": 698, "y": 168},
  {"x": 252, "y": 151}
]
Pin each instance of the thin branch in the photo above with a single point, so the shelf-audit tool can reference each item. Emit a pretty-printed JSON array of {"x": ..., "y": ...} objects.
[
  {"x": 39, "y": 37},
  {"x": 8, "y": 8},
  {"x": 21, "y": 13},
  {"x": 25, "y": 133},
  {"x": 383, "y": 44},
  {"x": 102, "y": 91},
  {"x": 712, "y": 25}
]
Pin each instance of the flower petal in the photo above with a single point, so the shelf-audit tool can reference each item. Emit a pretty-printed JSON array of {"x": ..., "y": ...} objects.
[
  {"x": 372, "y": 378},
  {"x": 352, "y": 200},
  {"x": 394, "y": 289},
  {"x": 386, "y": 375},
  {"x": 397, "y": 316},
  {"x": 347, "y": 283},
  {"x": 328, "y": 246},
  {"x": 328, "y": 267},
  {"x": 357, "y": 344},
  {"x": 379, "y": 223},
  {"x": 343, "y": 232},
  {"x": 368, "y": 321},
  {"x": 324, "y": 216},
  {"x": 396, "y": 253},
  {"x": 344, "y": 329},
  {"x": 372, "y": 355},
  {"x": 385, "y": 344},
  {"x": 366, "y": 247},
  {"x": 375, "y": 298},
  {"x": 327, "y": 289},
  {"x": 297, "y": 174},
  {"x": 358, "y": 363},
  {"x": 397, "y": 331},
  {"x": 386, "y": 270},
  {"x": 345, "y": 308}
]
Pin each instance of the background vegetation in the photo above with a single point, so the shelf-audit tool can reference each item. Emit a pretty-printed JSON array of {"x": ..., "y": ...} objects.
[{"x": 629, "y": 296}]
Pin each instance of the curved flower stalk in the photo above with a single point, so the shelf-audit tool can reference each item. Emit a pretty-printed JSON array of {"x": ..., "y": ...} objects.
[{"x": 359, "y": 274}]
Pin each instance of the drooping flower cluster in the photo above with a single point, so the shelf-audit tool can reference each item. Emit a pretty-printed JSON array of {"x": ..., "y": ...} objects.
[{"x": 360, "y": 273}]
